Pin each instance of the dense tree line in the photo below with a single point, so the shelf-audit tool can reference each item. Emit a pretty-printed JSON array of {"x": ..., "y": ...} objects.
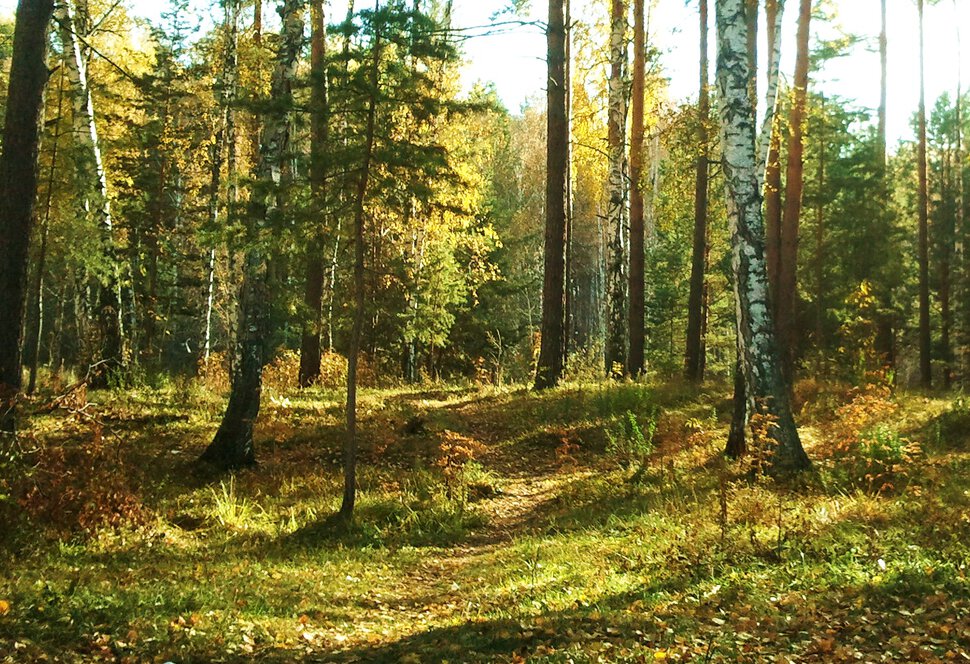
[{"x": 213, "y": 197}]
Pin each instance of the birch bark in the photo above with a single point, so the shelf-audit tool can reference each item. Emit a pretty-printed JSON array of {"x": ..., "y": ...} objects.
[
  {"x": 617, "y": 258},
  {"x": 765, "y": 389},
  {"x": 94, "y": 182},
  {"x": 232, "y": 446}
]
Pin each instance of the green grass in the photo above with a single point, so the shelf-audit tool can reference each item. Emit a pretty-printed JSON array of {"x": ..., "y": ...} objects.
[{"x": 541, "y": 548}]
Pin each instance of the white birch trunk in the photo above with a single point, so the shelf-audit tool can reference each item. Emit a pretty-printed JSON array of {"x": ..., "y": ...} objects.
[
  {"x": 94, "y": 183},
  {"x": 85, "y": 128},
  {"x": 616, "y": 268},
  {"x": 766, "y": 391}
]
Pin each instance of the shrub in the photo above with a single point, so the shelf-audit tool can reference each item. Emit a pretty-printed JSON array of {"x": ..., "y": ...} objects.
[
  {"x": 629, "y": 443},
  {"x": 78, "y": 488}
]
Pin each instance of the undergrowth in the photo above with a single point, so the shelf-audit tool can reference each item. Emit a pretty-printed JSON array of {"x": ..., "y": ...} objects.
[{"x": 492, "y": 525}]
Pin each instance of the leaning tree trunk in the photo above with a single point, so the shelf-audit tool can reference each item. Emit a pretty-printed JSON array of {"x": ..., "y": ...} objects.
[
  {"x": 550, "y": 367},
  {"x": 616, "y": 268},
  {"x": 694, "y": 361},
  {"x": 637, "y": 279},
  {"x": 310, "y": 348},
  {"x": 787, "y": 295},
  {"x": 233, "y": 446},
  {"x": 765, "y": 387},
  {"x": 925, "y": 368},
  {"x": 94, "y": 183},
  {"x": 18, "y": 188}
]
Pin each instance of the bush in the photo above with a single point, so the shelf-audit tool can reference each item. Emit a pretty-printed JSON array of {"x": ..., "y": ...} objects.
[
  {"x": 75, "y": 489},
  {"x": 629, "y": 443}
]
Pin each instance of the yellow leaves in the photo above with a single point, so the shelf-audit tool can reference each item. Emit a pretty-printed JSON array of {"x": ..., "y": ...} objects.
[
  {"x": 4, "y": 607},
  {"x": 660, "y": 655}
]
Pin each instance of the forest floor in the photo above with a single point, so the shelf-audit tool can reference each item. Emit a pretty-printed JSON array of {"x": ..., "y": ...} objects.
[{"x": 593, "y": 523}]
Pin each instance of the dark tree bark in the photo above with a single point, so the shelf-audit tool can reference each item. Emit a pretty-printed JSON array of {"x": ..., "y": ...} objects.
[
  {"x": 925, "y": 357},
  {"x": 33, "y": 341},
  {"x": 360, "y": 287},
  {"x": 637, "y": 278},
  {"x": 310, "y": 348},
  {"x": 820, "y": 240},
  {"x": 694, "y": 361},
  {"x": 787, "y": 294},
  {"x": 18, "y": 188},
  {"x": 773, "y": 182},
  {"x": 883, "y": 86},
  {"x": 550, "y": 366},
  {"x": 233, "y": 445}
]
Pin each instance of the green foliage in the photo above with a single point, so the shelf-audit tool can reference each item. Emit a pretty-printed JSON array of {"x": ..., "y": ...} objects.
[
  {"x": 629, "y": 443},
  {"x": 557, "y": 559}
]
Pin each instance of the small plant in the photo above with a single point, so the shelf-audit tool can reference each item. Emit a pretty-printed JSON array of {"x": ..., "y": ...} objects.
[
  {"x": 883, "y": 458},
  {"x": 629, "y": 443},
  {"x": 230, "y": 510}
]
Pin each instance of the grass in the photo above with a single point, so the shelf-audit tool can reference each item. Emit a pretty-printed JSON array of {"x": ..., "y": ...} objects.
[{"x": 534, "y": 545}]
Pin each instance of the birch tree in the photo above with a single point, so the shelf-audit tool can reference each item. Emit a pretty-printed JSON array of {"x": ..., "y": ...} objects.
[
  {"x": 233, "y": 446},
  {"x": 617, "y": 256},
  {"x": 93, "y": 182},
  {"x": 765, "y": 389}
]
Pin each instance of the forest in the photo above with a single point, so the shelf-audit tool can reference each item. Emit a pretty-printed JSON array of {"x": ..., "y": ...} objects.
[{"x": 314, "y": 350}]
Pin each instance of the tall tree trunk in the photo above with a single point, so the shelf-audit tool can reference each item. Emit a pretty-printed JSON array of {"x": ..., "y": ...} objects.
[
  {"x": 233, "y": 446},
  {"x": 883, "y": 86},
  {"x": 351, "y": 443},
  {"x": 961, "y": 309},
  {"x": 787, "y": 295},
  {"x": 694, "y": 360},
  {"x": 94, "y": 181},
  {"x": 569, "y": 277},
  {"x": 772, "y": 189},
  {"x": 925, "y": 367},
  {"x": 946, "y": 270},
  {"x": 616, "y": 269},
  {"x": 765, "y": 387},
  {"x": 820, "y": 240},
  {"x": 224, "y": 139},
  {"x": 18, "y": 189},
  {"x": 310, "y": 348},
  {"x": 33, "y": 341},
  {"x": 550, "y": 367},
  {"x": 636, "y": 287}
]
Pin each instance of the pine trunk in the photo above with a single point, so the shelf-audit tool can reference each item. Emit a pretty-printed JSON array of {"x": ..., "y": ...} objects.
[
  {"x": 310, "y": 349},
  {"x": 637, "y": 278},
  {"x": 360, "y": 294},
  {"x": 925, "y": 367},
  {"x": 233, "y": 446},
  {"x": 694, "y": 361},
  {"x": 18, "y": 188},
  {"x": 617, "y": 258},
  {"x": 550, "y": 367},
  {"x": 787, "y": 294},
  {"x": 765, "y": 388}
]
